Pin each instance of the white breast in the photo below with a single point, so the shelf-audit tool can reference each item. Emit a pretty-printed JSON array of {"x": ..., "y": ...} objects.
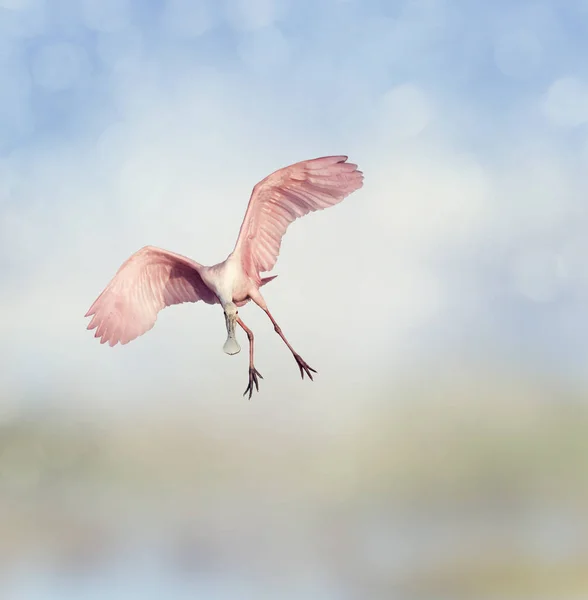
[{"x": 223, "y": 279}]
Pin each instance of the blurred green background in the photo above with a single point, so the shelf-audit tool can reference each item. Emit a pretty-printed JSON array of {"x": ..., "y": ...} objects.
[{"x": 473, "y": 485}]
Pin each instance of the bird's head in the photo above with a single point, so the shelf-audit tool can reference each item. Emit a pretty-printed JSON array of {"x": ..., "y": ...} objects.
[
  {"x": 231, "y": 310},
  {"x": 231, "y": 345}
]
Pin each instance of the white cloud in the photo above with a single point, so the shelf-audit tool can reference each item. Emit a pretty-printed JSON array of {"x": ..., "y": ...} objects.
[
  {"x": 405, "y": 111},
  {"x": 539, "y": 275},
  {"x": 430, "y": 197}
]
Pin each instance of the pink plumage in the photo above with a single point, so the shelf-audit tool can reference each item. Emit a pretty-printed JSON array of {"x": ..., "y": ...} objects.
[
  {"x": 153, "y": 278},
  {"x": 286, "y": 195},
  {"x": 147, "y": 282}
]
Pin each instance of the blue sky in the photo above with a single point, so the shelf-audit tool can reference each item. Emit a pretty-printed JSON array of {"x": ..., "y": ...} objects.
[{"x": 125, "y": 123}]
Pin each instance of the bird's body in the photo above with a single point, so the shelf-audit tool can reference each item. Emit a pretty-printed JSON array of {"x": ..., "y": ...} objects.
[
  {"x": 229, "y": 281},
  {"x": 153, "y": 278}
]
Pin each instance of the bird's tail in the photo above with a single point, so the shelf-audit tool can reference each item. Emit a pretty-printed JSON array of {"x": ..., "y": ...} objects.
[{"x": 265, "y": 280}]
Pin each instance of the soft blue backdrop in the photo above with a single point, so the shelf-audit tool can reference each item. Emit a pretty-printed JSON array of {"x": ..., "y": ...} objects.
[{"x": 125, "y": 123}]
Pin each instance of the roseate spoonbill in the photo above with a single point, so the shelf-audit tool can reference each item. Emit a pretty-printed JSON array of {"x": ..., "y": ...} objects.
[{"x": 153, "y": 278}]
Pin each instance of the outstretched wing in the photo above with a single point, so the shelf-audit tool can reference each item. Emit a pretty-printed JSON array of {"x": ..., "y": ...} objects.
[
  {"x": 284, "y": 196},
  {"x": 147, "y": 282}
]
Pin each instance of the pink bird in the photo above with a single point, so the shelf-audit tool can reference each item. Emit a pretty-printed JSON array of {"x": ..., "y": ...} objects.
[{"x": 153, "y": 278}]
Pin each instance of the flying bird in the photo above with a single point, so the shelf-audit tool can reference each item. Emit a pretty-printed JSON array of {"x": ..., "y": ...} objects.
[{"x": 153, "y": 278}]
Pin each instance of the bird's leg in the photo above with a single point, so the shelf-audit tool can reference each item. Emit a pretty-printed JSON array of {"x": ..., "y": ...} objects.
[
  {"x": 253, "y": 372},
  {"x": 302, "y": 365}
]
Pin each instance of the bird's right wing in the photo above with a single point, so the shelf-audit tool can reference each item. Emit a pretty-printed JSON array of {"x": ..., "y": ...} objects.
[
  {"x": 284, "y": 196},
  {"x": 147, "y": 282}
]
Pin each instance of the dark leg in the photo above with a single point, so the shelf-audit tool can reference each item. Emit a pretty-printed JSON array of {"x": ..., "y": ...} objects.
[
  {"x": 253, "y": 372},
  {"x": 304, "y": 368}
]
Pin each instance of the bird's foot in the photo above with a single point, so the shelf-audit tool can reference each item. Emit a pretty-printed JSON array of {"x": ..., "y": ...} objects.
[
  {"x": 253, "y": 381},
  {"x": 304, "y": 368}
]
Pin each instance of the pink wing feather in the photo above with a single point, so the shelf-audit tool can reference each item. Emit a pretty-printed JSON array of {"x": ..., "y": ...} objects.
[
  {"x": 146, "y": 283},
  {"x": 285, "y": 195}
]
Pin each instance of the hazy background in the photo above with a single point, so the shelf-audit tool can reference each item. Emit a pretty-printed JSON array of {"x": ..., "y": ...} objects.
[{"x": 441, "y": 451}]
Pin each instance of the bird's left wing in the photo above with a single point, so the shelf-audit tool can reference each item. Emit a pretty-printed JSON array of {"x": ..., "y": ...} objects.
[
  {"x": 147, "y": 282},
  {"x": 284, "y": 196}
]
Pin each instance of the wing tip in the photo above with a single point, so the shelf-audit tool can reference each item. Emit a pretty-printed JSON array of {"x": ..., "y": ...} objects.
[
  {"x": 336, "y": 159},
  {"x": 111, "y": 341}
]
